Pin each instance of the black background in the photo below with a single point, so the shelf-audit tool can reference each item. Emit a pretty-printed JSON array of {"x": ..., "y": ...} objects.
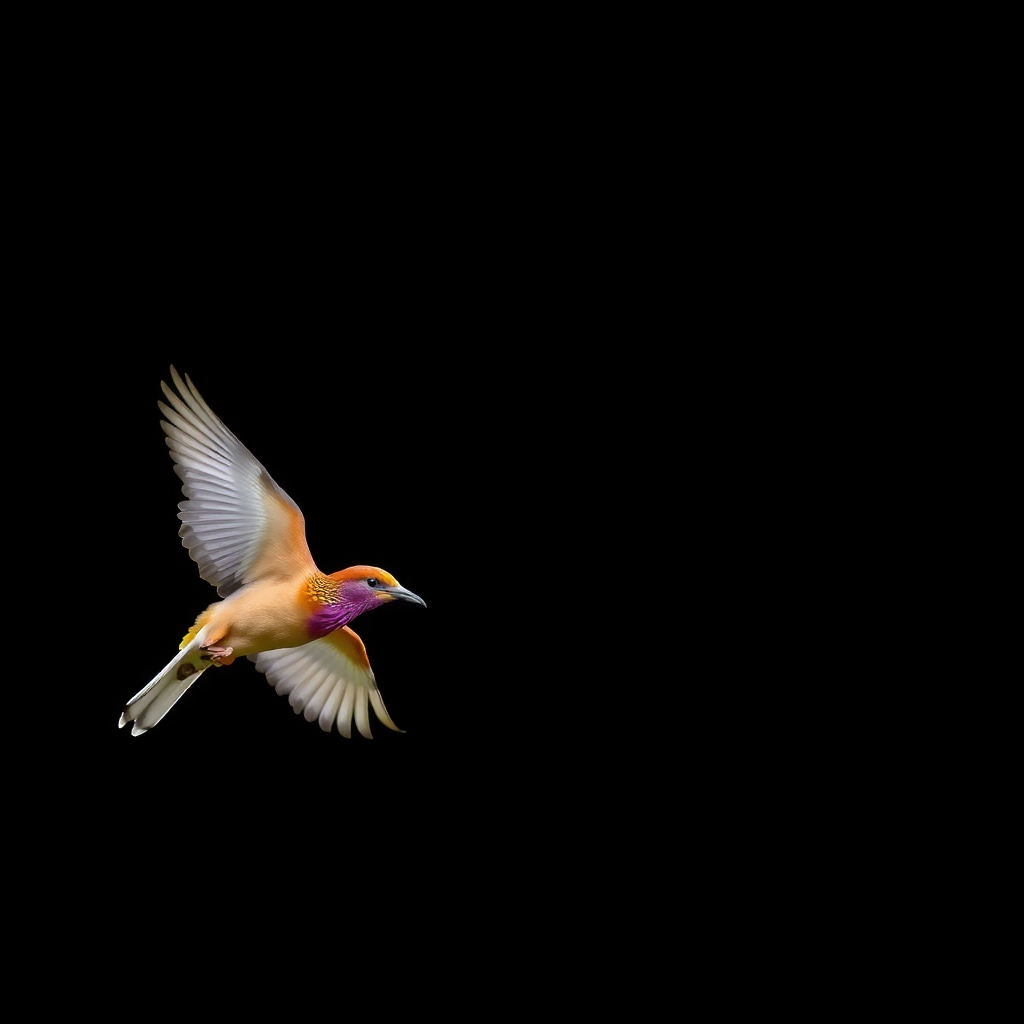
[
  {"x": 386, "y": 444},
  {"x": 394, "y": 357},
  {"x": 409, "y": 322},
  {"x": 387, "y": 473},
  {"x": 428, "y": 441}
]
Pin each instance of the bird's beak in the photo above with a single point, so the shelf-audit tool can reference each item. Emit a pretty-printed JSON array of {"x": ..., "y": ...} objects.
[{"x": 404, "y": 595}]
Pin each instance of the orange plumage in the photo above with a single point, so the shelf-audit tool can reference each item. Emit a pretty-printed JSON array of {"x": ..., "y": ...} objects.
[{"x": 276, "y": 607}]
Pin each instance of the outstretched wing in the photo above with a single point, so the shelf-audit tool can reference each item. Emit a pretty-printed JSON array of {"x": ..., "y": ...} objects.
[
  {"x": 237, "y": 524},
  {"x": 329, "y": 680}
]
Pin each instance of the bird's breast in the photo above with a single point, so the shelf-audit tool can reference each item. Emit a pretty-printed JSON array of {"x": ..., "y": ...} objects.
[
  {"x": 326, "y": 618},
  {"x": 266, "y": 617}
]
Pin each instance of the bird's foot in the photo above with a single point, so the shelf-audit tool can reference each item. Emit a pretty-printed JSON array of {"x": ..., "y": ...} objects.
[{"x": 218, "y": 655}]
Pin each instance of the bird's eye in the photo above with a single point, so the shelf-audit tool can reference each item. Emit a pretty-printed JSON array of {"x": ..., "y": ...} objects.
[{"x": 373, "y": 582}]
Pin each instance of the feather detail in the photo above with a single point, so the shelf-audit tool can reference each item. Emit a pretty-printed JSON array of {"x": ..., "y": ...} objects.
[
  {"x": 167, "y": 687},
  {"x": 237, "y": 524},
  {"x": 328, "y": 681}
]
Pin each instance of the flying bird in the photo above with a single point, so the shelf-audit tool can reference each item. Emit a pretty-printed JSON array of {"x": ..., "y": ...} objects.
[{"x": 276, "y": 607}]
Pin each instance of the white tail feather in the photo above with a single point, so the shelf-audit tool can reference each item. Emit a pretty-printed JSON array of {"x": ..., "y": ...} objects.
[{"x": 164, "y": 690}]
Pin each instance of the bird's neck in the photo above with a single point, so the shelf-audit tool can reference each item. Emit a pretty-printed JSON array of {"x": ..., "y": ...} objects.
[{"x": 328, "y": 609}]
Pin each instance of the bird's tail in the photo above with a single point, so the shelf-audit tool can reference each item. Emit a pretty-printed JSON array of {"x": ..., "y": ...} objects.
[{"x": 163, "y": 691}]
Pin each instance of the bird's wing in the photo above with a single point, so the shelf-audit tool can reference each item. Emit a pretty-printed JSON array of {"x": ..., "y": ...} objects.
[
  {"x": 237, "y": 523},
  {"x": 329, "y": 680}
]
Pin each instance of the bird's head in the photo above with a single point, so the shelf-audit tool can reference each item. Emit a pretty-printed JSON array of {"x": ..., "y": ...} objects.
[{"x": 365, "y": 586}]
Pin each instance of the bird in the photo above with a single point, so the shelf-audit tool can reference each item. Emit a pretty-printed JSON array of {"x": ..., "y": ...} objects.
[{"x": 275, "y": 607}]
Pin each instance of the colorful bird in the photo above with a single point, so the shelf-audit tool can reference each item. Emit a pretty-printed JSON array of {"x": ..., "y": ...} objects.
[{"x": 277, "y": 608}]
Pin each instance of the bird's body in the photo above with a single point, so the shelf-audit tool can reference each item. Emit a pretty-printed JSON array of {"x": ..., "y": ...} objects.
[{"x": 277, "y": 608}]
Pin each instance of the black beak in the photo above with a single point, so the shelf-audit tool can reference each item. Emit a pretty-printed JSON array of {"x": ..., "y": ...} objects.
[{"x": 405, "y": 595}]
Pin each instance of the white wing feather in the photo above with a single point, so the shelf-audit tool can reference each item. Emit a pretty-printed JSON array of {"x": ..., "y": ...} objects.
[
  {"x": 328, "y": 681},
  {"x": 235, "y": 513}
]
